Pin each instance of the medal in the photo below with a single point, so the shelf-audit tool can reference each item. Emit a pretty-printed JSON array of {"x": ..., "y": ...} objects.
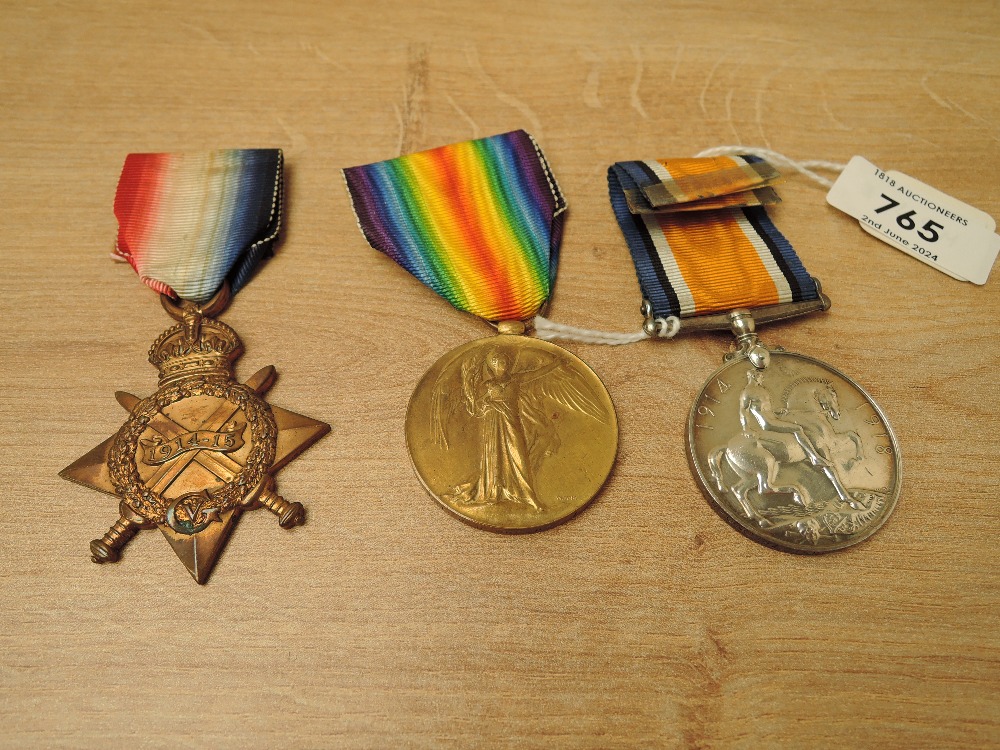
[
  {"x": 204, "y": 447},
  {"x": 787, "y": 448},
  {"x": 507, "y": 433}
]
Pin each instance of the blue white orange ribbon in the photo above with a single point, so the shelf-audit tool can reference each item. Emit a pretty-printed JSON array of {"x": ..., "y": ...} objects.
[
  {"x": 187, "y": 222},
  {"x": 479, "y": 222},
  {"x": 699, "y": 238}
]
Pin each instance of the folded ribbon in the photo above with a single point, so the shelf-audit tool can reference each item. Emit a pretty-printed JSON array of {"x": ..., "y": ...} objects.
[
  {"x": 187, "y": 222},
  {"x": 699, "y": 238},
  {"x": 479, "y": 222}
]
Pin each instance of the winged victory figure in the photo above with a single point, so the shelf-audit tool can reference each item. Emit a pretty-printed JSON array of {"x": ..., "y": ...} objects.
[{"x": 514, "y": 396}]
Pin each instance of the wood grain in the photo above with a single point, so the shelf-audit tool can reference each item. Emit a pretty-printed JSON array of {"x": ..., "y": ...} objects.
[{"x": 644, "y": 622}]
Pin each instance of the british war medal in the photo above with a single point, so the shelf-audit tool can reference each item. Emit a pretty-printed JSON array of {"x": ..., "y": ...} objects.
[
  {"x": 204, "y": 447},
  {"x": 789, "y": 449},
  {"x": 508, "y": 433}
]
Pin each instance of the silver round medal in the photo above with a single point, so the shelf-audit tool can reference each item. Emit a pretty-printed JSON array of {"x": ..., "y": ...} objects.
[{"x": 793, "y": 452}]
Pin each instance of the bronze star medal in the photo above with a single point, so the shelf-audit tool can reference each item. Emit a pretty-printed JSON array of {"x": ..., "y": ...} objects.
[{"x": 199, "y": 451}]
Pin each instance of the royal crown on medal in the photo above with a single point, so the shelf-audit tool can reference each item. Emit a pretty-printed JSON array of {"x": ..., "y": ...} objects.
[
  {"x": 204, "y": 447},
  {"x": 198, "y": 347},
  {"x": 198, "y": 452}
]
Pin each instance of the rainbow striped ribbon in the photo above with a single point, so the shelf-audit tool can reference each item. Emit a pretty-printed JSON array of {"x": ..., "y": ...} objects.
[
  {"x": 701, "y": 240},
  {"x": 186, "y": 222},
  {"x": 479, "y": 222}
]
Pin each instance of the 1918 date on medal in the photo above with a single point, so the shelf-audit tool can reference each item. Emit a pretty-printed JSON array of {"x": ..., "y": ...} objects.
[
  {"x": 511, "y": 433},
  {"x": 793, "y": 452}
]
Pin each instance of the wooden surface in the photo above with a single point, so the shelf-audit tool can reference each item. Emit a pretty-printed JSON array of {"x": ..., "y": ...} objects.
[{"x": 644, "y": 622}]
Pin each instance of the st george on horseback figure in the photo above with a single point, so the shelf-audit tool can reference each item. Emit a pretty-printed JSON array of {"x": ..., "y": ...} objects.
[{"x": 771, "y": 438}]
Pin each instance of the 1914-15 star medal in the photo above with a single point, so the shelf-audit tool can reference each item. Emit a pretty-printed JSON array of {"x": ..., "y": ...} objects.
[{"x": 199, "y": 451}]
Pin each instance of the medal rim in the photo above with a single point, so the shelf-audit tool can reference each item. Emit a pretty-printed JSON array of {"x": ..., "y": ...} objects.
[
  {"x": 753, "y": 533},
  {"x": 475, "y": 523}
]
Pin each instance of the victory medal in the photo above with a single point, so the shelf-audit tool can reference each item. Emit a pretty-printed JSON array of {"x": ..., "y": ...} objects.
[
  {"x": 507, "y": 433},
  {"x": 203, "y": 448},
  {"x": 787, "y": 448}
]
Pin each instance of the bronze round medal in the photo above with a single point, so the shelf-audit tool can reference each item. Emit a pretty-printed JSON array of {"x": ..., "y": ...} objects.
[
  {"x": 511, "y": 433},
  {"x": 795, "y": 454}
]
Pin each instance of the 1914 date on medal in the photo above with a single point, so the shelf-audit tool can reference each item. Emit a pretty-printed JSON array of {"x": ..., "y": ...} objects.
[
  {"x": 199, "y": 451},
  {"x": 793, "y": 452}
]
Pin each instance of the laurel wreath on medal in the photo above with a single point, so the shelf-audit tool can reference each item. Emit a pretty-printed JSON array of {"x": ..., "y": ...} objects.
[{"x": 122, "y": 466}]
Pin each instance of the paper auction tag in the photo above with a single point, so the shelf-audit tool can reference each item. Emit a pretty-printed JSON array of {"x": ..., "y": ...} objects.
[{"x": 942, "y": 231}]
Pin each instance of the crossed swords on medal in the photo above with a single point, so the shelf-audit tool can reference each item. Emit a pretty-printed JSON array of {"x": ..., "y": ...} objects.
[
  {"x": 296, "y": 431},
  {"x": 220, "y": 465}
]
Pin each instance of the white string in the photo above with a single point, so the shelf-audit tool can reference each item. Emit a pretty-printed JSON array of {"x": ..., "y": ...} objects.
[
  {"x": 667, "y": 328},
  {"x": 780, "y": 160}
]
